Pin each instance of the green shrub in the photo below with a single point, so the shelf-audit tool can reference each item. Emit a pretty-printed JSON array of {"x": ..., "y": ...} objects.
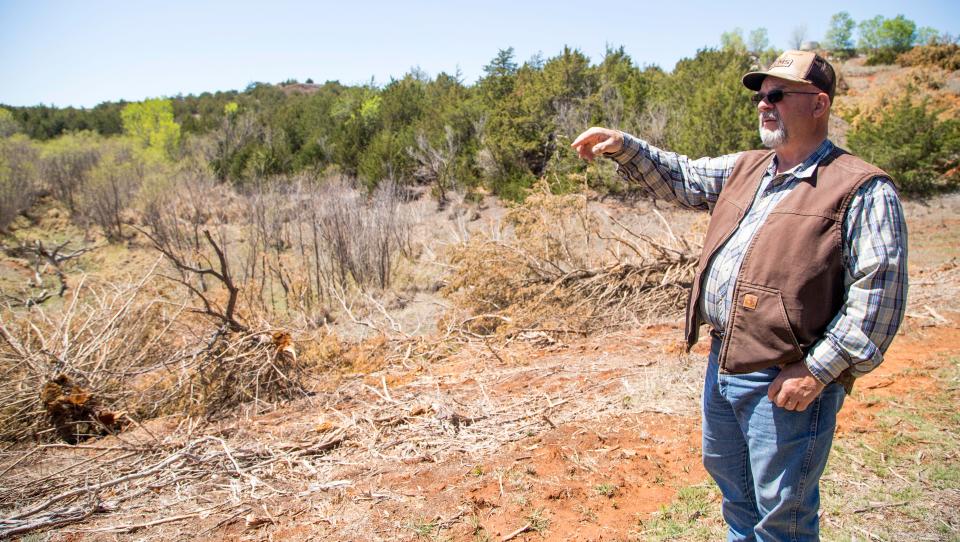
[
  {"x": 883, "y": 39},
  {"x": 65, "y": 164},
  {"x": 8, "y": 124},
  {"x": 882, "y": 57},
  {"x": 909, "y": 141},
  {"x": 386, "y": 157},
  {"x": 150, "y": 123},
  {"x": 710, "y": 111}
]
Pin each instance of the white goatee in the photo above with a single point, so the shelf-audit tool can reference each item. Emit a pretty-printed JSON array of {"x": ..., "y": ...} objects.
[{"x": 772, "y": 138}]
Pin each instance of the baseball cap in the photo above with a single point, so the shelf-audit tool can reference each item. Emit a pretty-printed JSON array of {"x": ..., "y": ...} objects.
[{"x": 799, "y": 66}]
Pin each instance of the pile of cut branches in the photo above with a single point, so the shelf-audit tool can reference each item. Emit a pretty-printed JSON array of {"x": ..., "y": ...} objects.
[
  {"x": 117, "y": 354},
  {"x": 558, "y": 266},
  {"x": 257, "y": 368},
  {"x": 71, "y": 371}
]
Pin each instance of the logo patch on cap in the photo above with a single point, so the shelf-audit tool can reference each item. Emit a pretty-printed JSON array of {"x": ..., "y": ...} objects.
[{"x": 782, "y": 63}]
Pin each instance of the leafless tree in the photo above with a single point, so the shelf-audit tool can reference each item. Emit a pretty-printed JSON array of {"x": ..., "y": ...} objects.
[
  {"x": 177, "y": 211},
  {"x": 798, "y": 36},
  {"x": 612, "y": 109},
  {"x": 18, "y": 180},
  {"x": 180, "y": 231},
  {"x": 66, "y": 170},
  {"x": 653, "y": 123},
  {"x": 490, "y": 167},
  {"x": 271, "y": 215},
  {"x": 110, "y": 190},
  {"x": 436, "y": 165},
  {"x": 217, "y": 269},
  {"x": 236, "y": 131}
]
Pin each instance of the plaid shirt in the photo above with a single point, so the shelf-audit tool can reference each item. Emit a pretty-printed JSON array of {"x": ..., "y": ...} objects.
[{"x": 874, "y": 248}]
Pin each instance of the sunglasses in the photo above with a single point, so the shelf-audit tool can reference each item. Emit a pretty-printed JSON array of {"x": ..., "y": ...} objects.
[{"x": 774, "y": 96}]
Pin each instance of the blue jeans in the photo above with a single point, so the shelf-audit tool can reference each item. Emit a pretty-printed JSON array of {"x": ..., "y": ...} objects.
[{"x": 767, "y": 460}]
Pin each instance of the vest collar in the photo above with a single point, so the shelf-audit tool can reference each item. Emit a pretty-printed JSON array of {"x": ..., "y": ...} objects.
[{"x": 803, "y": 170}]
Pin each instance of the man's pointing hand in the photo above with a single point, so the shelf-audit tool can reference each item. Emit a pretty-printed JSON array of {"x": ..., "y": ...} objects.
[{"x": 597, "y": 141}]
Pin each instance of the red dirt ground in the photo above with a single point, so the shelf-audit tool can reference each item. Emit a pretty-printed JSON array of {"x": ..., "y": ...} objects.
[
  {"x": 593, "y": 480},
  {"x": 589, "y": 477}
]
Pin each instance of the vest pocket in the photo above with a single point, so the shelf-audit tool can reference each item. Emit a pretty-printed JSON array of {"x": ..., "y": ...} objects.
[{"x": 759, "y": 334}]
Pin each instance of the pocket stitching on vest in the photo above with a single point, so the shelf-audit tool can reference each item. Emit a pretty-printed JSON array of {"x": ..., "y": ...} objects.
[{"x": 783, "y": 310}]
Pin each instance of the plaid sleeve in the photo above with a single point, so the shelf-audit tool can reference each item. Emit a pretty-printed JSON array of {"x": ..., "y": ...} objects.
[
  {"x": 671, "y": 176},
  {"x": 875, "y": 275}
]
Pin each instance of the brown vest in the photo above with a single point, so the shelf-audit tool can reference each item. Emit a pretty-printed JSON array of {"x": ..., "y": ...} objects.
[{"x": 790, "y": 285}]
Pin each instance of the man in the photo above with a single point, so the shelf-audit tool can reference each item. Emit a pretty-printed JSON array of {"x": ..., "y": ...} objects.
[{"x": 803, "y": 280}]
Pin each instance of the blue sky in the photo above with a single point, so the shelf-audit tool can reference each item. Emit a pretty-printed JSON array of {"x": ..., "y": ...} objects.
[{"x": 84, "y": 52}]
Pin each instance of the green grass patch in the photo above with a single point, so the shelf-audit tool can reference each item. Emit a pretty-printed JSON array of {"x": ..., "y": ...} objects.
[
  {"x": 538, "y": 520},
  {"x": 425, "y": 529},
  {"x": 694, "y": 515},
  {"x": 606, "y": 490},
  {"x": 902, "y": 481}
]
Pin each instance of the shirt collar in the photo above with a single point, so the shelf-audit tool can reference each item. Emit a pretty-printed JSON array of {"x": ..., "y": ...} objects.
[{"x": 805, "y": 169}]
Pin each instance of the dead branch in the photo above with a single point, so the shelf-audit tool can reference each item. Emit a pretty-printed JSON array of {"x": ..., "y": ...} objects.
[
  {"x": 137, "y": 526},
  {"x": 59, "y": 518},
  {"x": 44, "y": 258},
  {"x": 334, "y": 440},
  {"x": 13, "y": 343},
  {"x": 517, "y": 533},
  {"x": 182, "y": 454},
  {"x": 226, "y": 316},
  {"x": 394, "y": 329},
  {"x": 663, "y": 249}
]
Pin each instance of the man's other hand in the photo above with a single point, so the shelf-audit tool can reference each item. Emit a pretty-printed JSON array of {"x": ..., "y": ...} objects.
[
  {"x": 794, "y": 388},
  {"x": 597, "y": 141}
]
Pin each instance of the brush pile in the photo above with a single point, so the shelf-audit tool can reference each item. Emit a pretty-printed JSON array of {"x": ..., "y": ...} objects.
[
  {"x": 558, "y": 266},
  {"x": 119, "y": 354}
]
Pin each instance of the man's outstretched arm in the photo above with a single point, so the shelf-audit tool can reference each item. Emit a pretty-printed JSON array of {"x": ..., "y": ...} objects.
[{"x": 661, "y": 174}]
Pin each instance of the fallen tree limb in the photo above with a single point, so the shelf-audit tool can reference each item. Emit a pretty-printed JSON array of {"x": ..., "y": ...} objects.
[
  {"x": 110, "y": 483},
  {"x": 54, "y": 519}
]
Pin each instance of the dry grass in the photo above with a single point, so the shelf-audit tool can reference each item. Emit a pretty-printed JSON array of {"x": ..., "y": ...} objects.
[{"x": 899, "y": 480}]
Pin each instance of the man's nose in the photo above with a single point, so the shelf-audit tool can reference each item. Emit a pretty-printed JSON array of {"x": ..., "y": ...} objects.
[{"x": 764, "y": 106}]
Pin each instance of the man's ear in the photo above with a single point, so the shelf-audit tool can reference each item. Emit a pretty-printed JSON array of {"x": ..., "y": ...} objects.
[{"x": 822, "y": 106}]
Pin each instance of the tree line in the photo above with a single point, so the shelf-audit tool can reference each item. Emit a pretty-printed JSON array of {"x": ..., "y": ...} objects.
[{"x": 498, "y": 135}]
